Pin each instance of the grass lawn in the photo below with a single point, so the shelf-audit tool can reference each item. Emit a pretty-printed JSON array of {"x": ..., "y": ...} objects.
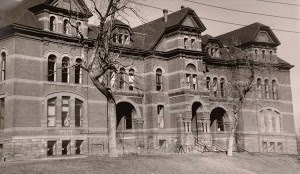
[{"x": 165, "y": 164}]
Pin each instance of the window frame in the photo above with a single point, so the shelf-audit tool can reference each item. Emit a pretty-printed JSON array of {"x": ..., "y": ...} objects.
[{"x": 52, "y": 102}]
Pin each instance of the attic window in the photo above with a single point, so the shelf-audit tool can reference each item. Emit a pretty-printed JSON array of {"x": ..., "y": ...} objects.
[
  {"x": 193, "y": 43},
  {"x": 185, "y": 43},
  {"x": 52, "y": 23}
]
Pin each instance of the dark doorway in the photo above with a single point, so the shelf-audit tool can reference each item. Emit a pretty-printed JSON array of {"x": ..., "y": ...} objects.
[
  {"x": 217, "y": 117},
  {"x": 125, "y": 113},
  {"x": 195, "y": 126}
]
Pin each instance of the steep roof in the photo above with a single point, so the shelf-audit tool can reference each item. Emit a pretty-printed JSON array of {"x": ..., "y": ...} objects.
[
  {"x": 246, "y": 34},
  {"x": 18, "y": 13},
  {"x": 147, "y": 35}
]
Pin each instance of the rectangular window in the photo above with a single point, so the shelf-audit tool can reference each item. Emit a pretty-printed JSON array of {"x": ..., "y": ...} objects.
[
  {"x": 79, "y": 147},
  {"x": 65, "y": 115},
  {"x": 194, "y": 81},
  {"x": 120, "y": 38},
  {"x": 162, "y": 143},
  {"x": 188, "y": 80},
  {"x": 131, "y": 80},
  {"x": 160, "y": 116},
  {"x": 3, "y": 68},
  {"x": 265, "y": 147},
  {"x": 51, "y": 148},
  {"x": 78, "y": 75},
  {"x": 51, "y": 116},
  {"x": 78, "y": 113},
  {"x": 272, "y": 147},
  {"x": 279, "y": 147},
  {"x": 126, "y": 38},
  {"x": 2, "y": 113},
  {"x": 66, "y": 147}
]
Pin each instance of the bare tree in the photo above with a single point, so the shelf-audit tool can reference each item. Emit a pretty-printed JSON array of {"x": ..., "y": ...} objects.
[
  {"x": 104, "y": 63},
  {"x": 243, "y": 68}
]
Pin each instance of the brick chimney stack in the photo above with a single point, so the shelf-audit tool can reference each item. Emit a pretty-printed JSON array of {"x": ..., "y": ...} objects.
[{"x": 165, "y": 11}]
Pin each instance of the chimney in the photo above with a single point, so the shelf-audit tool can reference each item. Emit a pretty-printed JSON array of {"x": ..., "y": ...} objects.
[
  {"x": 165, "y": 15},
  {"x": 182, "y": 7}
]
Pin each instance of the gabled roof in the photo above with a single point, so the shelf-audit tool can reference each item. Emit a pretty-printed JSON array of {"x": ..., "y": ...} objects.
[
  {"x": 19, "y": 13},
  {"x": 247, "y": 34},
  {"x": 147, "y": 35}
]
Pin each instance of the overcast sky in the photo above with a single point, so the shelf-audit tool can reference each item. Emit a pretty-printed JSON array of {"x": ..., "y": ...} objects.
[{"x": 290, "y": 42}]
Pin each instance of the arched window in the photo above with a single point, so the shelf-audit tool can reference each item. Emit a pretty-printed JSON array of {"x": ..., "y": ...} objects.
[
  {"x": 267, "y": 93},
  {"x": 3, "y": 66},
  {"x": 65, "y": 72},
  {"x": 158, "y": 79},
  {"x": 215, "y": 87},
  {"x": 52, "y": 68},
  {"x": 52, "y": 23},
  {"x": 51, "y": 110},
  {"x": 131, "y": 79},
  {"x": 270, "y": 121},
  {"x": 258, "y": 88},
  {"x": 78, "y": 113},
  {"x": 66, "y": 26},
  {"x": 208, "y": 84},
  {"x": 263, "y": 52},
  {"x": 160, "y": 116},
  {"x": 191, "y": 76},
  {"x": 122, "y": 79},
  {"x": 222, "y": 86},
  {"x": 256, "y": 52},
  {"x": 274, "y": 89},
  {"x": 78, "y": 72}
]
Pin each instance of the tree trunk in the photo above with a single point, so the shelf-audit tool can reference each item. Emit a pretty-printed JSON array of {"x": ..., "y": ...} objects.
[
  {"x": 231, "y": 139},
  {"x": 111, "y": 116}
]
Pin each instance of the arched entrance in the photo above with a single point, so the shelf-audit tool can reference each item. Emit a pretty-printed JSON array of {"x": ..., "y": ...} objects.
[
  {"x": 217, "y": 120},
  {"x": 125, "y": 114},
  {"x": 196, "y": 107}
]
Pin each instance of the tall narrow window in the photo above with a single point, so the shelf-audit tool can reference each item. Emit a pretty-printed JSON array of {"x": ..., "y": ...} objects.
[
  {"x": 256, "y": 52},
  {"x": 122, "y": 79},
  {"x": 78, "y": 72},
  {"x": 193, "y": 44},
  {"x": 65, "y": 114},
  {"x": 52, "y": 23},
  {"x": 185, "y": 43},
  {"x": 65, "y": 70},
  {"x": 112, "y": 80},
  {"x": 222, "y": 86},
  {"x": 216, "y": 52},
  {"x": 267, "y": 93},
  {"x": 263, "y": 52},
  {"x": 66, "y": 26},
  {"x": 3, "y": 66},
  {"x": 120, "y": 38},
  {"x": 158, "y": 79},
  {"x": 160, "y": 116},
  {"x": 78, "y": 25},
  {"x": 131, "y": 79},
  {"x": 126, "y": 39},
  {"x": 194, "y": 85},
  {"x": 188, "y": 80},
  {"x": 52, "y": 68},
  {"x": 2, "y": 113},
  {"x": 51, "y": 116},
  {"x": 271, "y": 55},
  {"x": 208, "y": 83},
  {"x": 274, "y": 89},
  {"x": 78, "y": 113},
  {"x": 258, "y": 88},
  {"x": 215, "y": 87}
]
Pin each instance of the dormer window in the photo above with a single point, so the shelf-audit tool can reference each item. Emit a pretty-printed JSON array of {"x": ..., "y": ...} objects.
[
  {"x": 52, "y": 23},
  {"x": 120, "y": 38},
  {"x": 78, "y": 25},
  {"x": 185, "y": 43},
  {"x": 126, "y": 38},
  {"x": 66, "y": 26},
  {"x": 193, "y": 43}
]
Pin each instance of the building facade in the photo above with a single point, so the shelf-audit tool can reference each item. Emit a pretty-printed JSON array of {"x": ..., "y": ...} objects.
[{"x": 175, "y": 91}]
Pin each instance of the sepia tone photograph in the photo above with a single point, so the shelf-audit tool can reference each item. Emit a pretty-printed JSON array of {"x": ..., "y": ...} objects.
[{"x": 149, "y": 86}]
